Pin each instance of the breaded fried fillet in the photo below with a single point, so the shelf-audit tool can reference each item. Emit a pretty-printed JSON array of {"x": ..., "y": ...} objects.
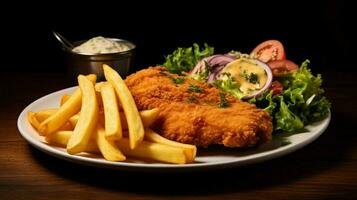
[{"x": 190, "y": 111}]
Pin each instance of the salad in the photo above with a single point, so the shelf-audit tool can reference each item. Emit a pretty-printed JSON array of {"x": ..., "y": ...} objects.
[{"x": 291, "y": 94}]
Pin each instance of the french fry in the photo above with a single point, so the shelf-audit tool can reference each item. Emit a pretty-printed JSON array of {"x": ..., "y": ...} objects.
[
  {"x": 64, "y": 98},
  {"x": 67, "y": 110},
  {"x": 74, "y": 119},
  {"x": 154, "y": 151},
  {"x": 190, "y": 150},
  {"x": 31, "y": 116},
  {"x": 87, "y": 119},
  {"x": 66, "y": 127},
  {"x": 98, "y": 86},
  {"x": 144, "y": 114},
  {"x": 148, "y": 150},
  {"x": 112, "y": 123},
  {"x": 135, "y": 125},
  {"x": 108, "y": 148},
  {"x": 98, "y": 94},
  {"x": 35, "y": 122},
  {"x": 60, "y": 138},
  {"x": 44, "y": 114},
  {"x": 148, "y": 117},
  {"x": 99, "y": 99}
]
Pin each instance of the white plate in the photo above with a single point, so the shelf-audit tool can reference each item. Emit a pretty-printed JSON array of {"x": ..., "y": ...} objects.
[{"x": 210, "y": 158}]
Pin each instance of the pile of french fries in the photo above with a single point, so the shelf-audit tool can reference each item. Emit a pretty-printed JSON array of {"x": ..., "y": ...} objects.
[{"x": 103, "y": 119}]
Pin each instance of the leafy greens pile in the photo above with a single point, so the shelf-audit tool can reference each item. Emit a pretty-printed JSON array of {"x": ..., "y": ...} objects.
[
  {"x": 301, "y": 102},
  {"x": 184, "y": 59}
]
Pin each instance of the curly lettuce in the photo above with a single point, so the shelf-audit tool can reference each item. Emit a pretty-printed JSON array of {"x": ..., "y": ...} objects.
[
  {"x": 184, "y": 59},
  {"x": 301, "y": 103},
  {"x": 265, "y": 101}
]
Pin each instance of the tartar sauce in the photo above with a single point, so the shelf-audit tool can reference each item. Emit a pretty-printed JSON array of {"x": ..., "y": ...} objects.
[
  {"x": 248, "y": 74},
  {"x": 101, "y": 45}
]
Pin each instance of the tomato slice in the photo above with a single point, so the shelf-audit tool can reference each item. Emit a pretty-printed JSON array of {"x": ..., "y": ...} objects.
[
  {"x": 282, "y": 67},
  {"x": 269, "y": 50},
  {"x": 276, "y": 87}
]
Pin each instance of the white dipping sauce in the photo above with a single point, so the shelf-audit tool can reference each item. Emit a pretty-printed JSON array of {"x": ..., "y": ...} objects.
[{"x": 101, "y": 45}]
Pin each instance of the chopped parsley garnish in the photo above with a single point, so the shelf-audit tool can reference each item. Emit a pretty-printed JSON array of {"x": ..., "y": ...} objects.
[
  {"x": 179, "y": 80},
  {"x": 207, "y": 70},
  {"x": 195, "y": 88},
  {"x": 192, "y": 99},
  {"x": 223, "y": 101},
  {"x": 164, "y": 73},
  {"x": 226, "y": 74},
  {"x": 251, "y": 78}
]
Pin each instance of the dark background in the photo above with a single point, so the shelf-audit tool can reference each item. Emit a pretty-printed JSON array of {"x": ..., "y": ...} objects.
[
  {"x": 318, "y": 30},
  {"x": 33, "y": 65}
]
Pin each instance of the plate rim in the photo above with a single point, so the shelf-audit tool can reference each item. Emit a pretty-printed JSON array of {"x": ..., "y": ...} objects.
[{"x": 249, "y": 159}]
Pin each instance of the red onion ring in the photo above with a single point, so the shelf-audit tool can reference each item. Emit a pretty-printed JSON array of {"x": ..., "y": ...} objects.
[{"x": 217, "y": 62}]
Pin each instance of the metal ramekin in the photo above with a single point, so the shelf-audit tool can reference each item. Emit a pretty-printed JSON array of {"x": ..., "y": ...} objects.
[{"x": 92, "y": 64}]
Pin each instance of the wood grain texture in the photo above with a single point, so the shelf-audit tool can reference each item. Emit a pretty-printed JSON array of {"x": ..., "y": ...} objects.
[{"x": 325, "y": 169}]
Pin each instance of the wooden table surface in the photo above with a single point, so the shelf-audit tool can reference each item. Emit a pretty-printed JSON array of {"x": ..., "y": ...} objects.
[{"x": 325, "y": 169}]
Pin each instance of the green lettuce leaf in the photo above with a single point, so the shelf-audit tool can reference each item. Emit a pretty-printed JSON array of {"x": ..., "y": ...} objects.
[
  {"x": 304, "y": 81},
  {"x": 265, "y": 101},
  {"x": 317, "y": 110},
  {"x": 285, "y": 119},
  {"x": 184, "y": 59}
]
